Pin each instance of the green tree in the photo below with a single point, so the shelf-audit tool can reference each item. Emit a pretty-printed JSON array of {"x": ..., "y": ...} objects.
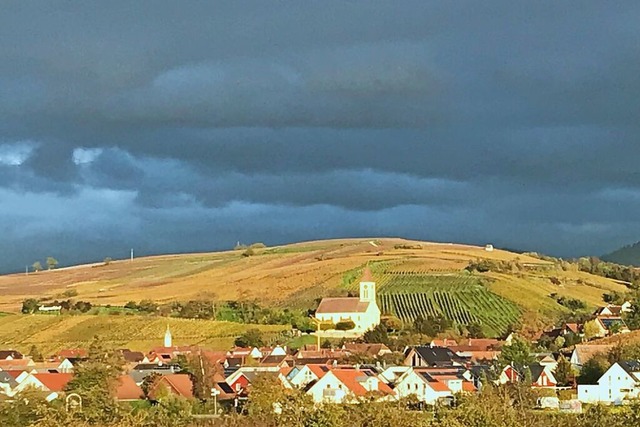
[
  {"x": 251, "y": 338},
  {"x": 475, "y": 330},
  {"x": 632, "y": 318},
  {"x": 30, "y": 305},
  {"x": 377, "y": 335},
  {"x": 51, "y": 263},
  {"x": 518, "y": 352},
  {"x": 593, "y": 369},
  {"x": 96, "y": 381},
  {"x": 591, "y": 329},
  {"x": 392, "y": 323},
  {"x": 149, "y": 383},
  {"x": 563, "y": 372},
  {"x": 201, "y": 371},
  {"x": 36, "y": 266},
  {"x": 35, "y": 354}
]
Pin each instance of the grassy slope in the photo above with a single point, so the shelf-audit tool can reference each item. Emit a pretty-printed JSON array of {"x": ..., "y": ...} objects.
[
  {"x": 294, "y": 275},
  {"x": 51, "y": 333}
]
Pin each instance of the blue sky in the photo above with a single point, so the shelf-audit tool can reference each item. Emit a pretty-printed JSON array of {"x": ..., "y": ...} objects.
[{"x": 178, "y": 127}]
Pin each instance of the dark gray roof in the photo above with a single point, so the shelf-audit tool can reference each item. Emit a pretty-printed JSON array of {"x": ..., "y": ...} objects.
[
  {"x": 14, "y": 354},
  {"x": 7, "y": 379},
  {"x": 630, "y": 366},
  {"x": 437, "y": 356}
]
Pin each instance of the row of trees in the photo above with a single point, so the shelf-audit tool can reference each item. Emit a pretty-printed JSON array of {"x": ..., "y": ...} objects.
[{"x": 51, "y": 263}]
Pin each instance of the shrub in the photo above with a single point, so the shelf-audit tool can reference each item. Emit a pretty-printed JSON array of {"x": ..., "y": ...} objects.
[{"x": 345, "y": 325}]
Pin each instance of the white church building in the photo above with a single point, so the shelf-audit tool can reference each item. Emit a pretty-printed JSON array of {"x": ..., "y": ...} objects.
[{"x": 363, "y": 311}]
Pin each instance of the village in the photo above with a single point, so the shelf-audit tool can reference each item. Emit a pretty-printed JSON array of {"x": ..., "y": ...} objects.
[{"x": 433, "y": 374}]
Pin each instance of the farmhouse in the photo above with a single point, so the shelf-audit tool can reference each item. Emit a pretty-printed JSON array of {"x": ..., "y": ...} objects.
[
  {"x": 619, "y": 383},
  {"x": 363, "y": 311}
]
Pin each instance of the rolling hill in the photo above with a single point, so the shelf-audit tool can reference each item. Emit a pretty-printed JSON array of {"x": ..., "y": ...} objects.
[
  {"x": 627, "y": 255},
  {"x": 414, "y": 278}
]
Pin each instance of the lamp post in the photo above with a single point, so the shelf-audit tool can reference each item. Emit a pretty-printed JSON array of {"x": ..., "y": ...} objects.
[
  {"x": 317, "y": 322},
  {"x": 214, "y": 393}
]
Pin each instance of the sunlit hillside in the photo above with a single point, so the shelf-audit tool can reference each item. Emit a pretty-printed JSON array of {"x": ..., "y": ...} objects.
[{"x": 296, "y": 275}]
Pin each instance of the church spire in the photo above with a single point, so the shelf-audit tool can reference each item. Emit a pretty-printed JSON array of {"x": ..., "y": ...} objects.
[{"x": 167, "y": 338}]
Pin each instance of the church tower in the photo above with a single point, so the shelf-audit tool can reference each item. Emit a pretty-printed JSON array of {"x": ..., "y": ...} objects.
[
  {"x": 367, "y": 286},
  {"x": 167, "y": 338}
]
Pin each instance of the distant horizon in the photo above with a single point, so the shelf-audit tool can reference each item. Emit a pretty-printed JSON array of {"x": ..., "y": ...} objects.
[{"x": 90, "y": 261}]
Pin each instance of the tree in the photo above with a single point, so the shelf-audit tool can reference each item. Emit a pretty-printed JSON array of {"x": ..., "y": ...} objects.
[
  {"x": 563, "y": 372},
  {"x": 518, "y": 352},
  {"x": 593, "y": 369},
  {"x": 475, "y": 330},
  {"x": 632, "y": 318},
  {"x": 377, "y": 335},
  {"x": 591, "y": 329},
  {"x": 392, "y": 323},
  {"x": 96, "y": 381},
  {"x": 35, "y": 355},
  {"x": 30, "y": 305},
  {"x": 251, "y": 338},
  {"x": 36, "y": 266},
  {"x": 150, "y": 382},
  {"x": 325, "y": 344},
  {"x": 51, "y": 263},
  {"x": 201, "y": 371}
]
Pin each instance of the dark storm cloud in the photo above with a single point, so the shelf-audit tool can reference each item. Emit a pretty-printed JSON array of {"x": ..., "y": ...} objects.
[{"x": 179, "y": 127}]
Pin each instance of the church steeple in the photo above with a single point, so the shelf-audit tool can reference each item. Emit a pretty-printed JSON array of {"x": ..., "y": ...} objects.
[
  {"x": 167, "y": 338},
  {"x": 367, "y": 286}
]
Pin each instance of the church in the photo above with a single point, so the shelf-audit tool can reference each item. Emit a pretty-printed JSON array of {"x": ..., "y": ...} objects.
[{"x": 363, "y": 311}]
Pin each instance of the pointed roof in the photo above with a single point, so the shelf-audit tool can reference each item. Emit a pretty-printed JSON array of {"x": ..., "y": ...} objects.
[{"x": 366, "y": 275}]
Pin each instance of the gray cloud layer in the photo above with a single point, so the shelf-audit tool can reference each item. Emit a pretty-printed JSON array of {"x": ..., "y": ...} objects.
[{"x": 179, "y": 127}]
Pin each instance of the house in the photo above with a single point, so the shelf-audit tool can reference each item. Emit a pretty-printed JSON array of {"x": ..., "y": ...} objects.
[
  {"x": 433, "y": 385},
  {"x": 307, "y": 374},
  {"x": 611, "y": 325},
  {"x": 363, "y": 311},
  {"x": 53, "y": 384},
  {"x": 71, "y": 353},
  {"x": 143, "y": 370},
  {"x": 446, "y": 342},
  {"x": 621, "y": 382},
  {"x": 541, "y": 375},
  {"x": 432, "y": 356},
  {"x": 613, "y": 310},
  {"x": 10, "y": 355},
  {"x": 582, "y": 353},
  {"x": 128, "y": 390},
  {"x": 7, "y": 382},
  {"x": 371, "y": 350},
  {"x": 478, "y": 349},
  {"x": 176, "y": 384},
  {"x": 391, "y": 374},
  {"x": 241, "y": 379},
  {"x": 349, "y": 385}
]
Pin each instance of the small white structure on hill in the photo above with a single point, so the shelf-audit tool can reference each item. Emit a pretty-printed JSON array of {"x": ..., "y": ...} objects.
[
  {"x": 363, "y": 311},
  {"x": 167, "y": 338}
]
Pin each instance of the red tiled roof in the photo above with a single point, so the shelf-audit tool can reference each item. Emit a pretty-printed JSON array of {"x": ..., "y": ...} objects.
[
  {"x": 318, "y": 369},
  {"x": 72, "y": 353},
  {"x": 54, "y": 382},
  {"x": 342, "y": 305},
  {"x": 178, "y": 383},
  {"x": 468, "y": 386},
  {"x": 128, "y": 389},
  {"x": 438, "y": 385},
  {"x": 350, "y": 379}
]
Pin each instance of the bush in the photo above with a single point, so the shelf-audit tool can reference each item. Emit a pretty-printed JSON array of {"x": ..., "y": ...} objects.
[
  {"x": 345, "y": 325},
  {"x": 249, "y": 252}
]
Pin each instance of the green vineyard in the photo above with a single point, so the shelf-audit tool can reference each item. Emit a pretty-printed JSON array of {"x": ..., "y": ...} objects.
[{"x": 462, "y": 299}]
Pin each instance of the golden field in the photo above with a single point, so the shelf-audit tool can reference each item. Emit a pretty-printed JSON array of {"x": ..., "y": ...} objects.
[
  {"x": 294, "y": 275},
  {"x": 50, "y": 333}
]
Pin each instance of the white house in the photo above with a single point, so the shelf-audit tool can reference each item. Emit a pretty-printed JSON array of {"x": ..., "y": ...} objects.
[
  {"x": 363, "y": 311},
  {"x": 348, "y": 385},
  {"x": 431, "y": 385},
  {"x": 619, "y": 383},
  {"x": 308, "y": 374}
]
